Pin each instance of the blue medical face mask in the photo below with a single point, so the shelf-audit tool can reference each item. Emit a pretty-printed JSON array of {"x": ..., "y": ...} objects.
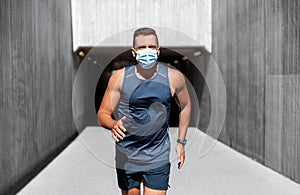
[{"x": 146, "y": 57}]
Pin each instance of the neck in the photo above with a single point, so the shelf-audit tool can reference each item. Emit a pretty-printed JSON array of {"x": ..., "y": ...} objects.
[{"x": 146, "y": 73}]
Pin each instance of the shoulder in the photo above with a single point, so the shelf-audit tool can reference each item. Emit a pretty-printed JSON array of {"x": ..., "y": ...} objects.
[
  {"x": 175, "y": 75},
  {"x": 176, "y": 80},
  {"x": 174, "y": 71},
  {"x": 116, "y": 74},
  {"x": 116, "y": 78}
]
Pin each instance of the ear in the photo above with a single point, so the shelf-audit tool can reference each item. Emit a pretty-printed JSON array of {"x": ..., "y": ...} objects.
[
  {"x": 133, "y": 52},
  {"x": 158, "y": 51}
]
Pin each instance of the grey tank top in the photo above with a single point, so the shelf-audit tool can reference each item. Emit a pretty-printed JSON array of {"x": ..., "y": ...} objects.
[{"x": 146, "y": 104}]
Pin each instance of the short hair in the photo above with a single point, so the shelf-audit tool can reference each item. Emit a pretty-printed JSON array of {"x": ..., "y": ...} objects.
[{"x": 144, "y": 31}]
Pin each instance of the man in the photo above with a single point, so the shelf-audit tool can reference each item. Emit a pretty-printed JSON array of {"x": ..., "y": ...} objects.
[{"x": 139, "y": 98}]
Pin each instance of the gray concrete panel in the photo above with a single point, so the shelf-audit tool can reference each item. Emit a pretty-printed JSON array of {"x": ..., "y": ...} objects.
[
  {"x": 256, "y": 43},
  {"x": 36, "y": 83},
  {"x": 95, "y": 21}
]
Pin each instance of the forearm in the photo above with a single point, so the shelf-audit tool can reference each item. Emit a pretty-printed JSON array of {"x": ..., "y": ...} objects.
[
  {"x": 184, "y": 120},
  {"x": 106, "y": 120}
]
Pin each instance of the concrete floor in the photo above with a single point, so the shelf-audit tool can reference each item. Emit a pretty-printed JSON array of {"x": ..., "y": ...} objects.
[{"x": 86, "y": 166}]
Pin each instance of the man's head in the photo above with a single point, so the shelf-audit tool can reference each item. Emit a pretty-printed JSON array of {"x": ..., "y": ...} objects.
[
  {"x": 145, "y": 47},
  {"x": 144, "y": 32}
]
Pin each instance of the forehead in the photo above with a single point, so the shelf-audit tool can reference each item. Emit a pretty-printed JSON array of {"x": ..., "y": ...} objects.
[{"x": 145, "y": 40}]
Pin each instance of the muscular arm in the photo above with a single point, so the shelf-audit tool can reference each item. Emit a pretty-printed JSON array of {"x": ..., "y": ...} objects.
[
  {"x": 178, "y": 86},
  {"x": 109, "y": 102}
]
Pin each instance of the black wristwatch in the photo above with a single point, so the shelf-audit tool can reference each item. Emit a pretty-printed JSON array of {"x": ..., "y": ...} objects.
[{"x": 183, "y": 142}]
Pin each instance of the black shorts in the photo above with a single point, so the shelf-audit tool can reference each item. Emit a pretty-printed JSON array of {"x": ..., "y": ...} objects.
[{"x": 156, "y": 179}]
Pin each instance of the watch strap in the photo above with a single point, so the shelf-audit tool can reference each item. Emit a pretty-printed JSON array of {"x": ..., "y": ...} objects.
[{"x": 183, "y": 142}]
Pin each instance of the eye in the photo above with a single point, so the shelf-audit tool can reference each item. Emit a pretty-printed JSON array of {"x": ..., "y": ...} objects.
[
  {"x": 142, "y": 47},
  {"x": 152, "y": 47}
]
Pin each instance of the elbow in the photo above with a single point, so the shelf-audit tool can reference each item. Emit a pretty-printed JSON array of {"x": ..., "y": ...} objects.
[{"x": 100, "y": 117}]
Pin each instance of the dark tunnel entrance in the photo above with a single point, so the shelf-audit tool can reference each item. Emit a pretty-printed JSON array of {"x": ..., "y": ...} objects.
[{"x": 180, "y": 58}]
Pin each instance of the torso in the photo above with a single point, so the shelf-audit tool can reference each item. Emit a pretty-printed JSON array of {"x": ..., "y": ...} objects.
[{"x": 146, "y": 104}]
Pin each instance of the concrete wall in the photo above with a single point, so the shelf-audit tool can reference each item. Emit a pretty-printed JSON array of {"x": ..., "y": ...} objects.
[
  {"x": 256, "y": 45},
  {"x": 36, "y": 72},
  {"x": 95, "y": 21}
]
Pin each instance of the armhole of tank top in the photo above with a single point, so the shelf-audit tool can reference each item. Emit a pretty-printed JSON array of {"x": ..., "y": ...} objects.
[
  {"x": 162, "y": 66},
  {"x": 123, "y": 75},
  {"x": 166, "y": 71},
  {"x": 169, "y": 82},
  {"x": 126, "y": 71}
]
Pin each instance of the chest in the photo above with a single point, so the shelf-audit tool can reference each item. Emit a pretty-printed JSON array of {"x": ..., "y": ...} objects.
[{"x": 145, "y": 93}]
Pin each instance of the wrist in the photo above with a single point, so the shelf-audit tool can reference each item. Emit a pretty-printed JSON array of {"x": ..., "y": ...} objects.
[
  {"x": 113, "y": 124},
  {"x": 181, "y": 141}
]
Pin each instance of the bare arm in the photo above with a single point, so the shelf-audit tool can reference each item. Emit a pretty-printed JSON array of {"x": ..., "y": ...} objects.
[
  {"x": 178, "y": 86},
  {"x": 109, "y": 102}
]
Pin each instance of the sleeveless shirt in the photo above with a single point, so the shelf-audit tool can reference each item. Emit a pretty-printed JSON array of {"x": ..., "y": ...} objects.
[{"x": 146, "y": 105}]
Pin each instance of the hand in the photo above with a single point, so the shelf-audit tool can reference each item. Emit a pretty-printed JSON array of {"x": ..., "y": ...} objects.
[
  {"x": 118, "y": 130},
  {"x": 180, "y": 155}
]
